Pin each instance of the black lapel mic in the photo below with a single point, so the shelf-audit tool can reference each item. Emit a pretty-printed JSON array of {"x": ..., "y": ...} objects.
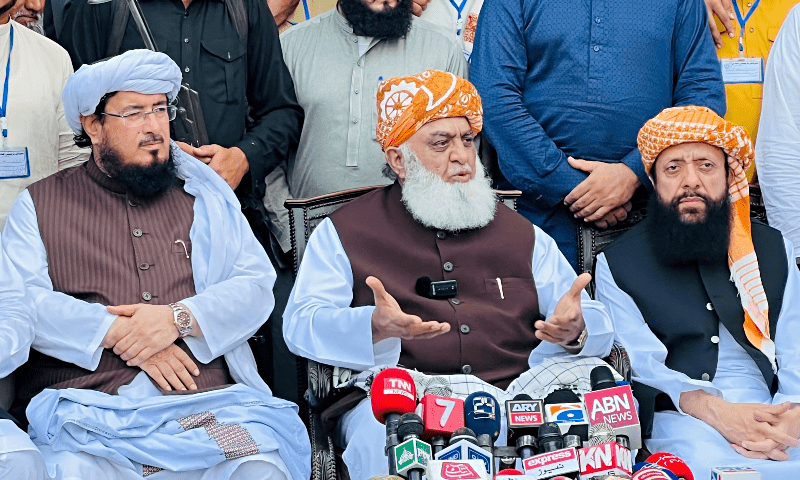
[{"x": 425, "y": 287}]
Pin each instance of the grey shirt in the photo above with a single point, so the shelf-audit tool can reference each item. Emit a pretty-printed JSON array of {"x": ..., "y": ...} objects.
[{"x": 337, "y": 89}]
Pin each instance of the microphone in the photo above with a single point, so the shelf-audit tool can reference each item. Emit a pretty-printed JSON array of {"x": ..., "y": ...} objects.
[
  {"x": 564, "y": 408},
  {"x": 524, "y": 416},
  {"x": 672, "y": 463},
  {"x": 441, "y": 417},
  {"x": 648, "y": 466},
  {"x": 650, "y": 473},
  {"x": 464, "y": 446},
  {"x": 550, "y": 438},
  {"x": 482, "y": 416},
  {"x": 512, "y": 474},
  {"x": 605, "y": 456},
  {"x": 392, "y": 394},
  {"x": 614, "y": 405},
  {"x": 412, "y": 455},
  {"x": 562, "y": 462},
  {"x": 456, "y": 469}
]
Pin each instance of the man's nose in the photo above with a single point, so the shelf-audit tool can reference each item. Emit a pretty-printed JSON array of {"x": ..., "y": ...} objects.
[
  {"x": 460, "y": 153},
  {"x": 691, "y": 179},
  {"x": 35, "y": 5}
]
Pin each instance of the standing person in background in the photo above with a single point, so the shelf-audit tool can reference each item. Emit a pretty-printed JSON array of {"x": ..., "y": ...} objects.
[
  {"x": 35, "y": 72},
  {"x": 246, "y": 93},
  {"x": 744, "y": 32},
  {"x": 778, "y": 147},
  {"x": 457, "y": 16},
  {"x": 568, "y": 84},
  {"x": 29, "y": 14}
]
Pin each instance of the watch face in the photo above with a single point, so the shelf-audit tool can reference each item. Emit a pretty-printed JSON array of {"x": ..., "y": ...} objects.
[{"x": 184, "y": 320}]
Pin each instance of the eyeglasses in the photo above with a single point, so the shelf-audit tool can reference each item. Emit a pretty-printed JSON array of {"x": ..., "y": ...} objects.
[{"x": 137, "y": 119}]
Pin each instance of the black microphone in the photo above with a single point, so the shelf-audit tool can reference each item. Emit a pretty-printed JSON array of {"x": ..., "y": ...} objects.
[
  {"x": 564, "y": 408},
  {"x": 601, "y": 378},
  {"x": 412, "y": 455},
  {"x": 550, "y": 438}
]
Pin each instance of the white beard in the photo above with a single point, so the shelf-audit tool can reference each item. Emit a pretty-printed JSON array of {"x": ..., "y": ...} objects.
[{"x": 447, "y": 206}]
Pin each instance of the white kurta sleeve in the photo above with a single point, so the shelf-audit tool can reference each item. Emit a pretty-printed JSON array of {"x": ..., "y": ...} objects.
[
  {"x": 319, "y": 323},
  {"x": 231, "y": 309},
  {"x": 646, "y": 351},
  {"x": 66, "y": 328},
  {"x": 553, "y": 277},
  {"x": 778, "y": 146},
  {"x": 787, "y": 335},
  {"x": 16, "y": 318}
]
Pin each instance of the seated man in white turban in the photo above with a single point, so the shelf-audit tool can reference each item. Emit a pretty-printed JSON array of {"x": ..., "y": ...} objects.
[
  {"x": 147, "y": 282},
  {"x": 518, "y": 299},
  {"x": 19, "y": 457}
]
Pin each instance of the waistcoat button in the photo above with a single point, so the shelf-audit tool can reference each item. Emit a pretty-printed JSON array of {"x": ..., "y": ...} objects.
[
  {"x": 455, "y": 301},
  {"x": 144, "y": 266},
  {"x": 137, "y": 232},
  {"x": 466, "y": 369},
  {"x": 706, "y": 377},
  {"x": 146, "y": 296},
  {"x": 440, "y": 235},
  {"x": 715, "y": 339},
  {"x": 448, "y": 267},
  {"x": 464, "y": 328},
  {"x": 709, "y": 307}
]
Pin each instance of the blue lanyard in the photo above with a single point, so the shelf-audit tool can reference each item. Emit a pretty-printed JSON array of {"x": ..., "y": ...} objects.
[
  {"x": 459, "y": 10},
  {"x": 743, "y": 21},
  {"x": 5, "y": 89}
]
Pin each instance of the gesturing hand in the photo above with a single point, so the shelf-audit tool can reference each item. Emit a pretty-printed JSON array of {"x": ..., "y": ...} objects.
[
  {"x": 230, "y": 163},
  {"x": 723, "y": 9},
  {"x": 171, "y": 368},
  {"x": 140, "y": 331},
  {"x": 566, "y": 323},
  {"x": 389, "y": 321},
  {"x": 608, "y": 186}
]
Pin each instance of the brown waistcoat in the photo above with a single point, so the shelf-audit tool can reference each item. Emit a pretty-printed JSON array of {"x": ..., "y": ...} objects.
[
  {"x": 489, "y": 337},
  {"x": 104, "y": 246}
]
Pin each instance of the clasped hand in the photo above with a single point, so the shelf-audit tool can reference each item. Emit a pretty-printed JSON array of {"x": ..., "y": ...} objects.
[
  {"x": 604, "y": 196},
  {"x": 140, "y": 331}
]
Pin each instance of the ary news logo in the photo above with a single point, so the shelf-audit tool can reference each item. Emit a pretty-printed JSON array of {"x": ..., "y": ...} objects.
[
  {"x": 397, "y": 386},
  {"x": 483, "y": 408},
  {"x": 525, "y": 412},
  {"x": 565, "y": 413},
  {"x": 454, "y": 471}
]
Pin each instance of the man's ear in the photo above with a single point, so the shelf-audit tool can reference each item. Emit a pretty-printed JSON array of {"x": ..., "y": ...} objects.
[
  {"x": 92, "y": 127},
  {"x": 394, "y": 157}
]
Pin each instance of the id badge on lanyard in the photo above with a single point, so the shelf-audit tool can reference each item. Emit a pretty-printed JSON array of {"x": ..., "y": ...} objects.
[
  {"x": 743, "y": 69},
  {"x": 14, "y": 162}
]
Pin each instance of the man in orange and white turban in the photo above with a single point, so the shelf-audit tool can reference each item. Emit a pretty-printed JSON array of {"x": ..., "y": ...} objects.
[
  {"x": 707, "y": 303},
  {"x": 474, "y": 290}
]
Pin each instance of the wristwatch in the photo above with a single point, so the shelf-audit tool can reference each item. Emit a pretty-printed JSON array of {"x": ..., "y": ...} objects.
[
  {"x": 183, "y": 319},
  {"x": 576, "y": 345}
]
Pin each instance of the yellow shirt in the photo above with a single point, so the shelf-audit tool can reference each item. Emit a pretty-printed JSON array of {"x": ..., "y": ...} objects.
[{"x": 744, "y": 100}]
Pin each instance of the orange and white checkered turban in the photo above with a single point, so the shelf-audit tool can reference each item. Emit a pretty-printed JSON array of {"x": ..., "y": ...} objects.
[
  {"x": 677, "y": 125},
  {"x": 405, "y": 104}
]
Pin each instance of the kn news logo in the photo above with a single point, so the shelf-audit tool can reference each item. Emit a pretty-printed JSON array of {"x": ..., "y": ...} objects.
[
  {"x": 525, "y": 412},
  {"x": 397, "y": 386},
  {"x": 458, "y": 471},
  {"x": 613, "y": 406},
  {"x": 601, "y": 458},
  {"x": 565, "y": 413}
]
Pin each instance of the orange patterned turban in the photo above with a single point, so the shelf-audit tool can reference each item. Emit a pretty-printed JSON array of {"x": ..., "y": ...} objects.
[
  {"x": 677, "y": 125},
  {"x": 405, "y": 104}
]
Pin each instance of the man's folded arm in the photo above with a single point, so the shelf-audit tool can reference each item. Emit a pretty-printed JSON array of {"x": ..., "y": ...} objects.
[
  {"x": 66, "y": 328},
  {"x": 646, "y": 352},
  {"x": 232, "y": 310},
  {"x": 787, "y": 335},
  {"x": 528, "y": 157},
  {"x": 553, "y": 277},
  {"x": 319, "y": 323}
]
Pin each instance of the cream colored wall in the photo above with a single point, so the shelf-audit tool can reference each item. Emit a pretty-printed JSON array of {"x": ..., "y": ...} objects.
[{"x": 315, "y": 7}]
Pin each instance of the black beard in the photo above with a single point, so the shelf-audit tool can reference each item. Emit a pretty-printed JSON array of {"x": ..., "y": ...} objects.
[
  {"x": 387, "y": 24},
  {"x": 145, "y": 183},
  {"x": 678, "y": 243}
]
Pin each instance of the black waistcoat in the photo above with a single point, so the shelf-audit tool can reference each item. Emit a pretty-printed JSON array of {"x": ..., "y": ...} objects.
[{"x": 683, "y": 306}]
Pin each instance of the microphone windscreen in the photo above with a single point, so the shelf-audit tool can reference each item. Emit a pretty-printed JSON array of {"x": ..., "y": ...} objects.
[
  {"x": 482, "y": 414},
  {"x": 601, "y": 378},
  {"x": 522, "y": 396},
  {"x": 650, "y": 473},
  {"x": 672, "y": 463},
  {"x": 563, "y": 395},
  {"x": 423, "y": 286},
  {"x": 549, "y": 430},
  {"x": 437, "y": 385},
  {"x": 463, "y": 433},
  {"x": 601, "y": 433},
  {"x": 410, "y": 424},
  {"x": 392, "y": 391},
  {"x": 511, "y": 471}
]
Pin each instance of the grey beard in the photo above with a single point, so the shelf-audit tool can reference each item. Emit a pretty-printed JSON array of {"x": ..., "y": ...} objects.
[{"x": 447, "y": 206}]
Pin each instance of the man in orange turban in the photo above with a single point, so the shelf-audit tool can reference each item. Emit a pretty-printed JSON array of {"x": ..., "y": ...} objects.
[
  {"x": 476, "y": 292},
  {"x": 707, "y": 303}
]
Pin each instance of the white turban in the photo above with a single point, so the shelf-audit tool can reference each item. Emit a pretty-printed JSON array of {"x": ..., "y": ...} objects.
[{"x": 141, "y": 71}]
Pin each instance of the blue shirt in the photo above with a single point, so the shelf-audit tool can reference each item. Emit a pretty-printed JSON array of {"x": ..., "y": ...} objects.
[{"x": 579, "y": 78}]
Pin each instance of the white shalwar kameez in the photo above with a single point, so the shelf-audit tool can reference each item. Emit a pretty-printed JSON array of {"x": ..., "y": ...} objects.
[
  {"x": 737, "y": 379},
  {"x": 319, "y": 324},
  {"x": 233, "y": 280}
]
